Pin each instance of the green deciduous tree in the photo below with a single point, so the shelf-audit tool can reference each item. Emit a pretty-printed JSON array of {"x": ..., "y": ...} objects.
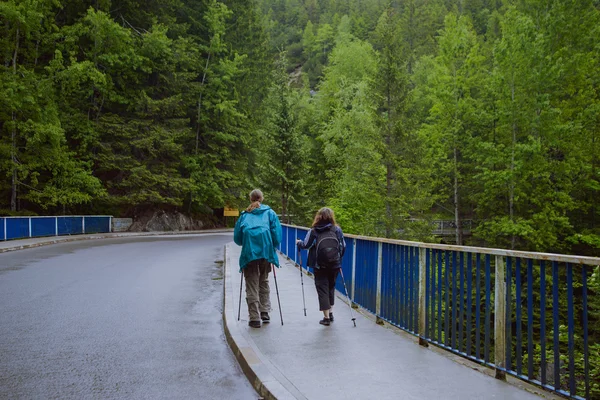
[
  {"x": 522, "y": 167},
  {"x": 457, "y": 118},
  {"x": 354, "y": 174}
]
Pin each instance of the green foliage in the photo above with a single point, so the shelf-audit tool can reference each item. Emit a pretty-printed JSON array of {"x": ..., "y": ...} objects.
[
  {"x": 36, "y": 160},
  {"x": 349, "y": 141},
  {"x": 463, "y": 110},
  {"x": 475, "y": 109},
  {"x": 151, "y": 104},
  {"x": 457, "y": 82},
  {"x": 283, "y": 158}
]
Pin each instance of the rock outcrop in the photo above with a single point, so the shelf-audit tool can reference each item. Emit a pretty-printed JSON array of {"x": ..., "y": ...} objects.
[{"x": 159, "y": 221}]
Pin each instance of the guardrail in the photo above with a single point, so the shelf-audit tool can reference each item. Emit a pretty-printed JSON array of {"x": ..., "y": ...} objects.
[
  {"x": 28, "y": 227},
  {"x": 525, "y": 314},
  {"x": 448, "y": 228}
]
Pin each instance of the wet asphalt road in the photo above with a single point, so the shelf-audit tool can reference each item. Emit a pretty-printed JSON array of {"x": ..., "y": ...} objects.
[{"x": 117, "y": 319}]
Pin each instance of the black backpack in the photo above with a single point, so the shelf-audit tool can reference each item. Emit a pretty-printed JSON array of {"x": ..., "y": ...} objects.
[{"x": 328, "y": 249}]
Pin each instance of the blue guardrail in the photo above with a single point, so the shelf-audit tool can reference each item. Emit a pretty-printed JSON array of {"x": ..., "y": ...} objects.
[
  {"x": 28, "y": 227},
  {"x": 524, "y": 314}
]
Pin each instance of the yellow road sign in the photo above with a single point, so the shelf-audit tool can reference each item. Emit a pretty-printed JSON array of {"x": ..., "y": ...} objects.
[{"x": 231, "y": 212}]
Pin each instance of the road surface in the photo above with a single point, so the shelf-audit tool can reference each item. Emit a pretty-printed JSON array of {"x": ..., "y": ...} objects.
[{"x": 135, "y": 318}]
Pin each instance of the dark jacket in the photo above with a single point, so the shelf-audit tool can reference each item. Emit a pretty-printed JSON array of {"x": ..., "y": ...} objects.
[
  {"x": 259, "y": 233},
  {"x": 310, "y": 242}
]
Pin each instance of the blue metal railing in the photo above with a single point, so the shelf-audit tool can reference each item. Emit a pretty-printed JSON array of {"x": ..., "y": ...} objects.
[
  {"x": 29, "y": 227},
  {"x": 522, "y": 313},
  {"x": 366, "y": 267}
]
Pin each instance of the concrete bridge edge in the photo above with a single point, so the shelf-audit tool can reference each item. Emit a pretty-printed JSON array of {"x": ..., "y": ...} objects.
[{"x": 256, "y": 367}]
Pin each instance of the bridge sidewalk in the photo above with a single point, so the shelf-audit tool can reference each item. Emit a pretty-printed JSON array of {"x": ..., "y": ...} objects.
[{"x": 305, "y": 360}]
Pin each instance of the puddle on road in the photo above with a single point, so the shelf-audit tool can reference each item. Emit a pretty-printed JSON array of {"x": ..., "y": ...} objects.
[
  {"x": 12, "y": 268},
  {"x": 218, "y": 272}
]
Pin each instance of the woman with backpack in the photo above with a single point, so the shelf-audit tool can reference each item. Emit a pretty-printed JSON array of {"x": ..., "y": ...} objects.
[
  {"x": 326, "y": 247},
  {"x": 258, "y": 231}
]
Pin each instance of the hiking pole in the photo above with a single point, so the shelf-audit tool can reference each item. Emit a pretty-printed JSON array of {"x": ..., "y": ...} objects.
[
  {"x": 301, "y": 279},
  {"x": 348, "y": 297},
  {"x": 277, "y": 290},
  {"x": 240, "y": 305}
]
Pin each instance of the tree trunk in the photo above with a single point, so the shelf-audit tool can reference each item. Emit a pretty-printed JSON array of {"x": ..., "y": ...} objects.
[
  {"x": 13, "y": 149},
  {"x": 200, "y": 104},
  {"x": 13, "y": 193},
  {"x": 283, "y": 204},
  {"x": 388, "y": 176},
  {"x": 511, "y": 195},
  {"x": 594, "y": 168},
  {"x": 457, "y": 219},
  {"x": 409, "y": 66},
  {"x": 388, "y": 205},
  {"x": 37, "y": 48},
  {"x": 198, "y": 123}
]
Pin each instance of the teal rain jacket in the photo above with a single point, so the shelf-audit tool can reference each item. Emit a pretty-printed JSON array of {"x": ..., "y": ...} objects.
[{"x": 259, "y": 233}]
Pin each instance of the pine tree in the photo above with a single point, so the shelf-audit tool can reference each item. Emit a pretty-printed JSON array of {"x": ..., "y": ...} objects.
[
  {"x": 456, "y": 118},
  {"x": 517, "y": 177},
  {"x": 43, "y": 172},
  {"x": 391, "y": 88},
  {"x": 283, "y": 157}
]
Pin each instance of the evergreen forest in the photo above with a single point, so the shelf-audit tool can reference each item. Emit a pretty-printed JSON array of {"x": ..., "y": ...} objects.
[
  {"x": 395, "y": 113},
  {"x": 484, "y": 113}
]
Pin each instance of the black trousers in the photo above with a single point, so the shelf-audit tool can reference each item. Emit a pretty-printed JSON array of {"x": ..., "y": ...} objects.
[{"x": 325, "y": 283}]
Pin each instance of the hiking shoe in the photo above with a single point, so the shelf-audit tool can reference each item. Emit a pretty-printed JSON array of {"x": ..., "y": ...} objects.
[
  {"x": 254, "y": 324},
  {"x": 325, "y": 321},
  {"x": 331, "y": 316},
  {"x": 265, "y": 317}
]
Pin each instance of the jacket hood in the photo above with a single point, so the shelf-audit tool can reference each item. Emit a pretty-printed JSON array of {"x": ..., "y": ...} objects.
[
  {"x": 321, "y": 228},
  {"x": 260, "y": 209}
]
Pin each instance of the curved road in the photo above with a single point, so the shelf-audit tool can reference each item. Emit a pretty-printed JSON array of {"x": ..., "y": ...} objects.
[{"x": 136, "y": 318}]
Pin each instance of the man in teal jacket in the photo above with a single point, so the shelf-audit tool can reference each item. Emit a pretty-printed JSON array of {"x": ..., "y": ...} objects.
[{"x": 258, "y": 231}]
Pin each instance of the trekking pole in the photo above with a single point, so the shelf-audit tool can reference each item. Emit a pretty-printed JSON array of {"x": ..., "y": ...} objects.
[
  {"x": 301, "y": 279},
  {"x": 240, "y": 304},
  {"x": 277, "y": 290},
  {"x": 348, "y": 297}
]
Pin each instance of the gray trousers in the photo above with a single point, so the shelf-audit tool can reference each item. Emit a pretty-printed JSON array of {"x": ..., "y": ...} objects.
[{"x": 258, "y": 293}]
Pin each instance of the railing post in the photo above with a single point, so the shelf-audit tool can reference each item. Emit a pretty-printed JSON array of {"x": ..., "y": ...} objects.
[
  {"x": 295, "y": 252},
  {"x": 280, "y": 247},
  {"x": 500, "y": 319},
  {"x": 422, "y": 299},
  {"x": 353, "y": 268},
  {"x": 379, "y": 269},
  {"x": 287, "y": 242}
]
